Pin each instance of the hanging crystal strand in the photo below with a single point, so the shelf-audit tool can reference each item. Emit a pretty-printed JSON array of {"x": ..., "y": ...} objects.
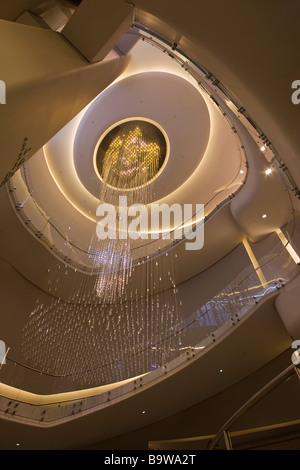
[
  {"x": 38, "y": 324},
  {"x": 75, "y": 329},
  {"x": 177, "y": 307}
]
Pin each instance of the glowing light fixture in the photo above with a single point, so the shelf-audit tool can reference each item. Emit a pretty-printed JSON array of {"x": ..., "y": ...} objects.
[
  {"x": 288, "y": 246},
  {"x": 255, "y": 264},
  {"x": 131, "y": 154}
]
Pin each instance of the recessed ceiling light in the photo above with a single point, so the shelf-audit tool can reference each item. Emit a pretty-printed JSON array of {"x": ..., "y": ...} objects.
[
  {"x": 264, "y": 216},
  {"x": 263, "y": 148},
  {"x": 268, "y": 171},
  {"x": 242, "y": 171}
]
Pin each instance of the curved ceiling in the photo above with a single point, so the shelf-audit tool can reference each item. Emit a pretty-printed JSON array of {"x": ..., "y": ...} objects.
[
  {"x": 154, "y": 96},
  {"x": 195, "y": 173}
]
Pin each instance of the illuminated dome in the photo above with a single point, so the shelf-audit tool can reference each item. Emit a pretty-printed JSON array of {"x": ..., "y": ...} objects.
[{"x": 131, "y": 154}]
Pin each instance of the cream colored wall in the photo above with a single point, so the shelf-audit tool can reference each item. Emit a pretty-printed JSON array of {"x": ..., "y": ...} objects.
[{"x": 47, "y": 82}]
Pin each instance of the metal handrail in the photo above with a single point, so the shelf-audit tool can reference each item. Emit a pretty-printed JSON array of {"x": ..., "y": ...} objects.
[
  {"x": 274, "y": 383},
  {"x": 155, "y": 445}
]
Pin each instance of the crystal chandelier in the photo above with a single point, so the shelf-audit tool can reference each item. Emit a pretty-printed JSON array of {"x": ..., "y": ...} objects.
[
  {"x": 118, "y": 319},
  {"x": 129, "y": 163}
]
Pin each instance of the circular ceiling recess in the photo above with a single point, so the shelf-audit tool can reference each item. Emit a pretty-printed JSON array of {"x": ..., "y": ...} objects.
[
  {"x": 174, "y": 106},
  {"x": 131, "y": 154}
]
